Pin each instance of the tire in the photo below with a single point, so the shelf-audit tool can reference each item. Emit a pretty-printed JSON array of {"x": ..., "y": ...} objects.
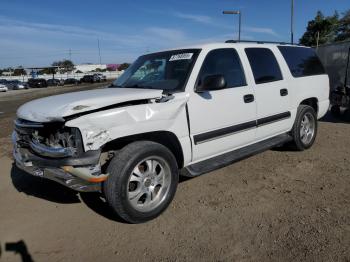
[
  {"x": 304, "y": 130},
  {"x": 133, "y": 193}
]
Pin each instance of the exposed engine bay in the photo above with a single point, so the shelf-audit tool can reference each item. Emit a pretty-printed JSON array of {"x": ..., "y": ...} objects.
[{"x": 49, "y": 139}]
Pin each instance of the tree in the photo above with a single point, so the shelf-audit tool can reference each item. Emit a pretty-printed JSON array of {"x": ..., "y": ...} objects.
[
  {"x": 64, "y": 65},
  {"x": 48, "y": 71},
  {"x": 323, "y": 27},
  {"x": 343, "y": 32},
  {"x": 123, "y": 66}
]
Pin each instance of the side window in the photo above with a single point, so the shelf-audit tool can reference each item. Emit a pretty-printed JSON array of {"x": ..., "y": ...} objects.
[
  {"x": 225, "y": 62},
  {"x": 302, "y": 61},
  {"x": 264, "y": 65}
]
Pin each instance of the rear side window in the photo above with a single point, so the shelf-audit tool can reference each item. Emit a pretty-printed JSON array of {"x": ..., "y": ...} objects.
[
  {"x": 264, "y": 65},
  {"x": 302, "y": 61},
  {"x": 225, "y": 62}
]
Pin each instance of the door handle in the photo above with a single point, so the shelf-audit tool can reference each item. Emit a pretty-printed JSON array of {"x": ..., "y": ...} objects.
[
  {"x": 284, "y": 92},
  {"x": 248, "y": 98}
]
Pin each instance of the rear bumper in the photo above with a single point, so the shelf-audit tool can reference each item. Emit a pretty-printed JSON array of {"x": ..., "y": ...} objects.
[{"x": 80, "y": 174}]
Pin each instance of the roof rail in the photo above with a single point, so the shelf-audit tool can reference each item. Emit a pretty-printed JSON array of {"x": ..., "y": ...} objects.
[{"x": 258, "y": 42}]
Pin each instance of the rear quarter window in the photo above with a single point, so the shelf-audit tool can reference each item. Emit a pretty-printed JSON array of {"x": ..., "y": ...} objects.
[{"x": 302, "y": 61}]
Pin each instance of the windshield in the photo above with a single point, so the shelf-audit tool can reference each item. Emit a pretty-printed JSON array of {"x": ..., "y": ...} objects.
[{"x": 165, "y": 70}]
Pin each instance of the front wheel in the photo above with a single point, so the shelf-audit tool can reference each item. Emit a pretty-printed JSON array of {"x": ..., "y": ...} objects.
[
  {"x": 305, "y": 128},
  {"x": 142, "y": 181}
]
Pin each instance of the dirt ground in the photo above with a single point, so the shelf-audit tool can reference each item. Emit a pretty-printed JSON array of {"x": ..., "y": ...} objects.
[{"x": 276, "y": 206}]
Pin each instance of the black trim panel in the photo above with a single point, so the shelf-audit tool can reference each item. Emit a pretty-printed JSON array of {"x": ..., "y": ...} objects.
[
  {"x": 223, "y": 132},
  {"x": 215, "y": 134},
  {"x": 274, "y": 118}
]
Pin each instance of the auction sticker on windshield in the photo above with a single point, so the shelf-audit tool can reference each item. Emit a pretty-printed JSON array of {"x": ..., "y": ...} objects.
[{"x": 183, "y": 56}]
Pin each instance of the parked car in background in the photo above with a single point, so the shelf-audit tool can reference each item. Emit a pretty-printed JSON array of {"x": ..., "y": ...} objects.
[
  {"x": 37, "y": 83},
  {"x": 90, "y": 79},
  {"x": 16, "y": 85},
  {"x": 55, "y": 82},
  {"x": 101, "y": 77},
  {"x": 71, "y": 81},
  {"x": 3, "y": 88},
  {"x": 3, "y": 81}
]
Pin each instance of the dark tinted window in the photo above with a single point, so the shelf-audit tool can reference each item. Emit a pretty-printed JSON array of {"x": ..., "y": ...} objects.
[
  {"x": 264, "y": 65},
  {"x": 302, "y": 61},
  {"x": 225, "y": 62}
]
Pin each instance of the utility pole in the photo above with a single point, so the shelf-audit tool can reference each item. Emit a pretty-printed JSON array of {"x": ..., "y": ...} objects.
[
  {"x": 292, "y": 23},
  {"x": 236, "y": 12},
  {"x": 99, "y": 50}
]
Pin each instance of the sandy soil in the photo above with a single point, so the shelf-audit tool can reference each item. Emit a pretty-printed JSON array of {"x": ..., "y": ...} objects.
[{"x": 277, "y": 206}]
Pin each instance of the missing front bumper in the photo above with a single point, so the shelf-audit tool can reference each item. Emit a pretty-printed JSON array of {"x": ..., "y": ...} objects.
[{"x": 82, "y": 178}]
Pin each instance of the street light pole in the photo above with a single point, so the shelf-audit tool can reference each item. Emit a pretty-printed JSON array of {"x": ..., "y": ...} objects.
[
  {"x": 236, "y": 12},
  {"x": 292, "y": 23}
]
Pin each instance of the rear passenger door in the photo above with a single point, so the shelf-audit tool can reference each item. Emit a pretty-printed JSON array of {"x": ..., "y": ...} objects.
[
  {"x": 271, "y": 92},
  {"x": 222, "y": 120}
]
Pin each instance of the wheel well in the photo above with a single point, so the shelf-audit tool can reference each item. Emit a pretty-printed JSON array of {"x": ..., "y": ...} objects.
[
  {"x": 313, "y": 102},
  {"x": 166, "y": 138}
]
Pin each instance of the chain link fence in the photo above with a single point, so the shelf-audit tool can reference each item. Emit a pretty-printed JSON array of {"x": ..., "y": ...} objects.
[{"x": 334, "y": 58}]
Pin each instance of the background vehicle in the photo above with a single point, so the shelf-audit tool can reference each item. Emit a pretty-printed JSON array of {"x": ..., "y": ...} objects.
[
  {"x": 71, "y": 81},
  {"x": 101, "y": 77},
  {"x": 187, "y": 111},
  {"x": 55, "y": 82},
  {"x": 3, "y": 88},
  {"x": 16, "y": 85},
  {"x": 340, "y": 97},
  {"x": 37, "y": 83},
  {"x": 89, "y": 79}
]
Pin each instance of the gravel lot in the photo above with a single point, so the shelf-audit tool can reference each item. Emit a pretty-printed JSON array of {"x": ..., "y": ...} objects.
[{"x": 277, "y": 206}]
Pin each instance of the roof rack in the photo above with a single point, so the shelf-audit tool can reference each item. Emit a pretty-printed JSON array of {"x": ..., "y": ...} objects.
[{"x": 258, "y": 42}]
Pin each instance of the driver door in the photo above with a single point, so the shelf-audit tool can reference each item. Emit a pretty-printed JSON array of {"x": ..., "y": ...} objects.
[{"x": 222, "y": 120}]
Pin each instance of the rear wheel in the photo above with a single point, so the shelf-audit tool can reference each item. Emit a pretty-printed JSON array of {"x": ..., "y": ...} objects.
[
  {"x": 305, "y": 128},
  {"x": 142, "y": 182}
]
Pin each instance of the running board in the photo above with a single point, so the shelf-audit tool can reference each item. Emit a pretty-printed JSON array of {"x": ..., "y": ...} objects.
[{"x": 234, "y": 156}]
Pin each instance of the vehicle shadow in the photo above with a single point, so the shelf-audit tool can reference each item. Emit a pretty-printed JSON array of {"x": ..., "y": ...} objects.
[
  {"x": 54, "y": 192},
  {"x": 97, "y": 203},
  {"x": 42, "y": 188},
  {"x": 344, "y": 119}
]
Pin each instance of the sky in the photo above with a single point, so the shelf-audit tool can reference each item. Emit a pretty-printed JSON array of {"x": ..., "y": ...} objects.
[{"x": 38, "y": 32}]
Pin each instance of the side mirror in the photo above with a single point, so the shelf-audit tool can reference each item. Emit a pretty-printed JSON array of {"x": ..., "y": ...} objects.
[{"x": 211, "y": 83}]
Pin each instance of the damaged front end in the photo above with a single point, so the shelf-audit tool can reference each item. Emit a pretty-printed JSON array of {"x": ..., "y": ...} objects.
[{"x": 53, "y": 151}]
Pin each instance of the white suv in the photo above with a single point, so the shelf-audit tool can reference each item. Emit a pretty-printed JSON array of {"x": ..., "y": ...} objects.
[{"x": 185, "y": 111}]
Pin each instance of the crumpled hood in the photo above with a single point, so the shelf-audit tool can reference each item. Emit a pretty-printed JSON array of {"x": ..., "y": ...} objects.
[{"x": 54, "y": 108}]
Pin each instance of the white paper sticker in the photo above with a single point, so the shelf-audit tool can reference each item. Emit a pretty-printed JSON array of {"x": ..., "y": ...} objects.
[{"x": 183, "y": 56}]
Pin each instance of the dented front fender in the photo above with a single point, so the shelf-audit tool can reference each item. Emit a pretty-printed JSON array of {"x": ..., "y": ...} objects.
[{"x": 101, "y": 127}]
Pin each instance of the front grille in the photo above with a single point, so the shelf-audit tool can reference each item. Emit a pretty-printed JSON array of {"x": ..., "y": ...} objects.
[{"x": 51, "y": 139}]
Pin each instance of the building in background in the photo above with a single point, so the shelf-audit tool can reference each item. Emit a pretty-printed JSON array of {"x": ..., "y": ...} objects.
[{"x": 86, "y": 68}]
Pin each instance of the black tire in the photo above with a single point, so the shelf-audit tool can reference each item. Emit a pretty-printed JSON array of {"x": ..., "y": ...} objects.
[
  {"x": 116, "y": 188},
  {"x": 298, "y": 142},
  {"x": 335, "y": 110}
]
